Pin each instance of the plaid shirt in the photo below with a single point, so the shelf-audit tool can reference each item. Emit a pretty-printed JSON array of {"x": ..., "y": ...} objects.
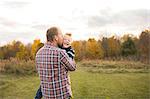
[{"x": 53, "y": 65}]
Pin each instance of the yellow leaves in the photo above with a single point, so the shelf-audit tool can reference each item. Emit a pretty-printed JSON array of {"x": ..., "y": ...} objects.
[
  {"x": 90, "y": 49},
  {"x": 79, "y": 48},
  {"x": 114, "y": 46},
  {"x": 93, "y": 49},
  {"x": 35, "y": 47}
]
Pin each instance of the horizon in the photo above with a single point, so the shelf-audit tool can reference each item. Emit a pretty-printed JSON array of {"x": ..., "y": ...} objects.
[{"x": 98, "y": 38}]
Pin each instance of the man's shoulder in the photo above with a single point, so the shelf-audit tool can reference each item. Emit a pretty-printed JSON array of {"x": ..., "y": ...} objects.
[{"x": 55, "y": 49}]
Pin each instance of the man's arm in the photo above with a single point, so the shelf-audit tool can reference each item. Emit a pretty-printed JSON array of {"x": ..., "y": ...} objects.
[{"x": 67, "y": 62}]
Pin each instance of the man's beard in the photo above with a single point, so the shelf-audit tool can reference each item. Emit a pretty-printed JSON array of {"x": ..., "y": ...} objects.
[{"x": 60, "y": 45}]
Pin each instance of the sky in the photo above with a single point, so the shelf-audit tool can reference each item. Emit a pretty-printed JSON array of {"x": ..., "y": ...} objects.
[{"x": 26, "y": 20}]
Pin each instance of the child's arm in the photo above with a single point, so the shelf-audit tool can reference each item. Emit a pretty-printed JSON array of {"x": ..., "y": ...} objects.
[{"x": 70, "y": 52}]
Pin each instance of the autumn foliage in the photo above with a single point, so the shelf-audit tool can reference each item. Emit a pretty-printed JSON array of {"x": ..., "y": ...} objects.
[{"x": 112, "y": 48}]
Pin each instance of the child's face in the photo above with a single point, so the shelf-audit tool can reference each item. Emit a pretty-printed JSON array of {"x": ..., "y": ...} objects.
[{"x": 67, "y": 41}]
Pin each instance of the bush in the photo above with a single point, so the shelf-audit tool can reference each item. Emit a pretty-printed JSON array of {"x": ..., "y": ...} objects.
[{"x": 15, "y": 66}]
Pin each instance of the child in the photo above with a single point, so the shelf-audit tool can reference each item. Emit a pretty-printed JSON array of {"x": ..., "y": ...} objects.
[
  {"x": 67, "y": 45},
  {"x": 71, "y": 54}
]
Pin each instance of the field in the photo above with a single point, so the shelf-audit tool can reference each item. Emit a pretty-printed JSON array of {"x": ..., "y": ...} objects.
[{"x": 92, "y": 80}]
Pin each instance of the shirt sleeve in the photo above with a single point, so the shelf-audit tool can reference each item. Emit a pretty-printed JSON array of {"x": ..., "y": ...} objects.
[{"x": 67, "y": 62}]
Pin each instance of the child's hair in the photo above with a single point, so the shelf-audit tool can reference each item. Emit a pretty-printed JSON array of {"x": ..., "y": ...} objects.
[{"x": 68, "y": 34}]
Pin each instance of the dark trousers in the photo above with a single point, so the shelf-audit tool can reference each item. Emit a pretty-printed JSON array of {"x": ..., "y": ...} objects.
[{"x": 38, "y": 93}]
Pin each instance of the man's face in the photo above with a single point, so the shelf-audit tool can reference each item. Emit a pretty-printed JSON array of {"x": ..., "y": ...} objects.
[{"x": 60, "y": 38}]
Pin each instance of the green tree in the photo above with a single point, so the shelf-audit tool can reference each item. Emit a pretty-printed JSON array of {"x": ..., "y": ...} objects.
[{"x": 128, "y": 47}]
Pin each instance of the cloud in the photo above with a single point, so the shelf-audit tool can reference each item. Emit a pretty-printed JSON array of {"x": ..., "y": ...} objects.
[
  {"x": 133, "y": 17},
  {"x": 30, "y": 18},
  {"x": 8, "y": 23},
  {"x": 129, "y": 18},
  {"x": 98, "y": 21},
  {"x": 15, "y": 4},
  {"x": 14, "y": 30},
  {"x": 40, "y": 26}
]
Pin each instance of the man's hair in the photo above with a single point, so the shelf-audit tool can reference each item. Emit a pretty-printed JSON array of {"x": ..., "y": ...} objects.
[{"x": 51, "y": 33}]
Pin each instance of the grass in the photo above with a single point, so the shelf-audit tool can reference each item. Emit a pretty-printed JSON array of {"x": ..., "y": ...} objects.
[
  {"x": 114, "y": 86},
  {"x": 87, "y": 84},
  {"x": 18, "y": 87}
]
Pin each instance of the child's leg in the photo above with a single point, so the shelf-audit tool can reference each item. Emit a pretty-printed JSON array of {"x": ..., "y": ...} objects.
[{"x": 38, "y": 93}]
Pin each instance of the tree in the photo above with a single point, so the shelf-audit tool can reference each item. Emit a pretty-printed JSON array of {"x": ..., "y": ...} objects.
[
  {"x": 1, "y": 53},
  {"x": 93, "y": 49},
  {"x": 79, "y": 47},
  {"x": 128, "y": 47},
  {"x": 144, "y": 45},
  {"x": 10, "y": 50},
  {"x": 113, "y": 47},
  {"x": 34, "y": 48},
  {"x": 23, "y": 53},
  {"x": 105, "y": 46}
]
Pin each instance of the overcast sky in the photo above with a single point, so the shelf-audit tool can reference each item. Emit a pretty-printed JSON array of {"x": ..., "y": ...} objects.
[{"x": 27, "y": 20}]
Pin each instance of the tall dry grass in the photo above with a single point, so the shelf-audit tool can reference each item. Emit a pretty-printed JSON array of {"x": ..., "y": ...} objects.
[
  {"x": 105, "y": 66},
  {"x": 15, "y": 66}
]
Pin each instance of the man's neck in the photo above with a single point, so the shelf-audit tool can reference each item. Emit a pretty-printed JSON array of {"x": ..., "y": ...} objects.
[{"x": 52, "y": 44}]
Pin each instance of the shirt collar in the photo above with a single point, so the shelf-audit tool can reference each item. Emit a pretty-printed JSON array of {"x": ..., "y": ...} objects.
[{"x": 49, "y": 44}]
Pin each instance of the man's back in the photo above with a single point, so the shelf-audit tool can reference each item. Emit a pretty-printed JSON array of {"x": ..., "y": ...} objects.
[{"x": 53, "y": 65}]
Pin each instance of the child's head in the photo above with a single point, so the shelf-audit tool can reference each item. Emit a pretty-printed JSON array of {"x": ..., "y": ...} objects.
[{"x": 67, "y": 40}]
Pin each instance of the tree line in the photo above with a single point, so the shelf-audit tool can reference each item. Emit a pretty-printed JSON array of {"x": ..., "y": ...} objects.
[{"x": 127, "y": 47}]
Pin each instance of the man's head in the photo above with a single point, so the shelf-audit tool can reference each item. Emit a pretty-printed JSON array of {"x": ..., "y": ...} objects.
[{"x": 54, "y": 35}]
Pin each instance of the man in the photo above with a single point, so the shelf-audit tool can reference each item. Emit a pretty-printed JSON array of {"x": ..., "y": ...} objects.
[{"x": 53, "y": 65}]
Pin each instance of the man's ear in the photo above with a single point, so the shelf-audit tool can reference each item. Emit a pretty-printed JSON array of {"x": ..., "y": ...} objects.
[{"x": 56, "y": 38}]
